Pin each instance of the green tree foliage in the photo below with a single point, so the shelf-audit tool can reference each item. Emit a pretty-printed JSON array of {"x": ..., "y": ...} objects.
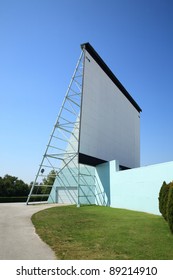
[
  {"x": 12, "y": 186},
  {"x": 166, "y": 203},
  {"x": 45, "y": 186},
  {"x": 170, "y": 207},
  {"x": 163, "y": 199},
  {"x": 50, "y": 178},
  {"x": 49, "y": 181}
]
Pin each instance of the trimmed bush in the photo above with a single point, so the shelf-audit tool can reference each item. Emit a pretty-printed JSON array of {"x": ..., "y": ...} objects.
[
  {"x": 170, "y": 207},
  {"x": 23, "y": 199},
  {"x": 166, "y": 203},
  {"x": 39, "y": 198},
  {"x": 12, "y": 199},
  {"x": 163, "y": 199}
]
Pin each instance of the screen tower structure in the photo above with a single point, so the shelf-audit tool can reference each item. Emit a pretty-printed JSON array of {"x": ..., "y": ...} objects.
[
  {"x": 99, "y": 121},
  {"x": 60, "y": 163}
]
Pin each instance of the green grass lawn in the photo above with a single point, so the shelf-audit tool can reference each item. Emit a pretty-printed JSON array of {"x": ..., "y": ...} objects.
[{"x": 104, "y": 233}]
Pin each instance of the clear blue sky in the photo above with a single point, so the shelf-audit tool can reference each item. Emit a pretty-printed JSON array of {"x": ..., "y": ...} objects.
[{"x": 39, "y": 47}]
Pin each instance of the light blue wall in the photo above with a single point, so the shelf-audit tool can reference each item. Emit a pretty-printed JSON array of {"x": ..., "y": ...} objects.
[
  {"x": 69, "y": 177},
  {"x": 86, "y": 185},
  {"x": 102, "y": 173},
  {"x": 135, "y": 189},
  {"x": 138, "y": 188},
  {"x": 64, "y": 179}
]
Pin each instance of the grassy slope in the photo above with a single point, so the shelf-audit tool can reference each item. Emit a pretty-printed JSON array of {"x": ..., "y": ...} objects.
[{"x": 94, "y": 232}]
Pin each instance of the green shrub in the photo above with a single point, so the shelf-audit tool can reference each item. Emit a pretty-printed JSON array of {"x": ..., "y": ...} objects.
[
  {"x": 163, "y": 199},
  {"x": 4, "y": 199},
  {"x": 166, "y": 203},
  {"x": 12, "y": 199},
  {"x": 170, "y": 207},
  {"x": 39, "y": 198}
]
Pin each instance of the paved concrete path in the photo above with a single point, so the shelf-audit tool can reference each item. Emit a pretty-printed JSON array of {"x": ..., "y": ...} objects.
[{"x": 18, "y": 240}]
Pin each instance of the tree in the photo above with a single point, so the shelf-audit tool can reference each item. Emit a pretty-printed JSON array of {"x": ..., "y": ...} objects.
[
  {"x": 163, "y": 199},
  {"x": 2, "y": 188},
  {"x": 49, "y": 181},
  {"x": 50, "y": 178},
  {"x": 12, "y": 186},
  {"x": 170, "y": 207}
]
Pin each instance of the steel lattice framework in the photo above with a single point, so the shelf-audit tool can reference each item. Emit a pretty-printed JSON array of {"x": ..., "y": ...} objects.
[
  {"x": 61, "y": 154},
  {"x": 56, "y": 156}
]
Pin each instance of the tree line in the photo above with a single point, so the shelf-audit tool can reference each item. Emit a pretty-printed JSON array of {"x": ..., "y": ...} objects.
[{"x": 11, "y": 186}]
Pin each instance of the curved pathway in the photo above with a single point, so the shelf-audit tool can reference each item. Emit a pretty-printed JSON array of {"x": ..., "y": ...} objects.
[{"x": 18, "y": 240}]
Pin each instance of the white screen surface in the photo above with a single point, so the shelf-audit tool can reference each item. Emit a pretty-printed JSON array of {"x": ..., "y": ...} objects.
[{"x": 110, "y": 124}]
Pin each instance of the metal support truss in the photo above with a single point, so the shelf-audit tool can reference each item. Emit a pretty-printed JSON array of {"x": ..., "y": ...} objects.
[
  {"x": 60, "y": 168},
  {"x": 62, "y": 148}
]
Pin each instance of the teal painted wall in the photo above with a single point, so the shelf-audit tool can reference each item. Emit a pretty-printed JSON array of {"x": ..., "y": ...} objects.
[
  {"x": 135, "y": 189},
  {"x": 68, "y": 177},
  {"x": 64, "y": 179},
  {"x": 138, "y": 188},
  {"x": 102, "y": 173}
]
